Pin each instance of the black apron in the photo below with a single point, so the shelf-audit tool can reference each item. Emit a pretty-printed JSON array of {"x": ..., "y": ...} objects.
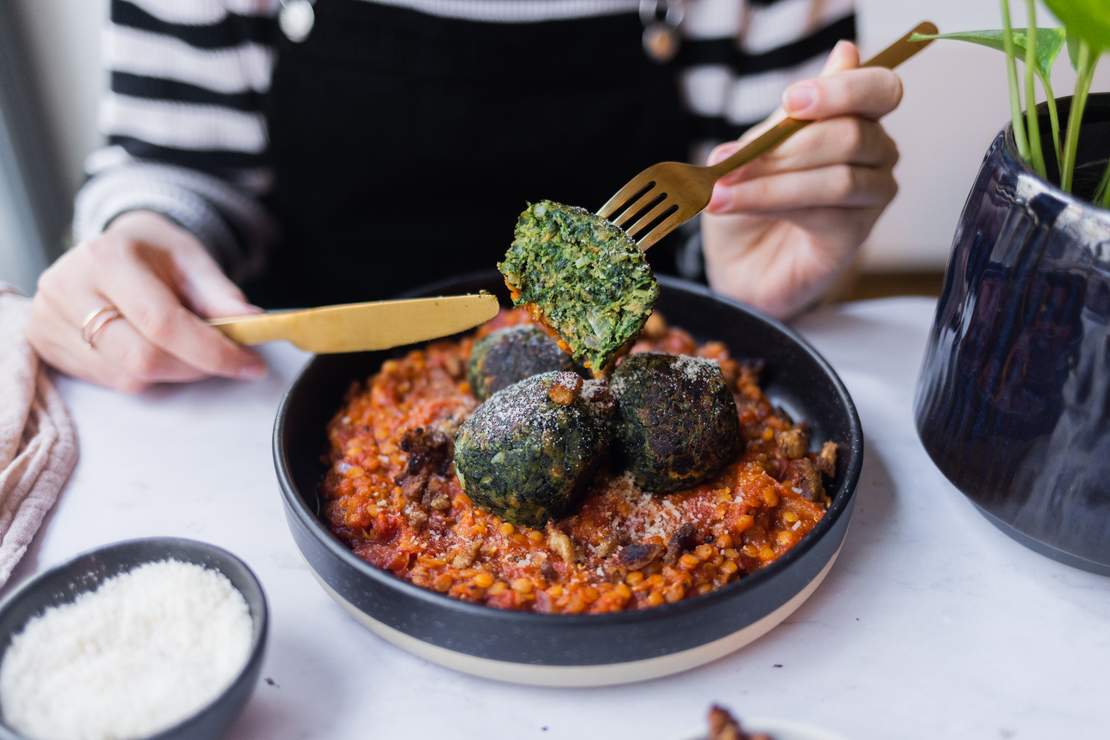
[{"x": 405, "y": 145}]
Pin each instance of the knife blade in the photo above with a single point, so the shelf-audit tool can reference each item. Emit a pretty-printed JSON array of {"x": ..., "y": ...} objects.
[{"x": 358, "y": 327}]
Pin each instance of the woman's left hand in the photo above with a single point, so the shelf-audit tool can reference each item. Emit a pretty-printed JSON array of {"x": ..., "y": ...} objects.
[{"x": 778, "y": 232}]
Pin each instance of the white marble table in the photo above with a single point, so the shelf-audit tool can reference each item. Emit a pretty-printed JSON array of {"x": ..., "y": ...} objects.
[{"x": 932, "y": 624}]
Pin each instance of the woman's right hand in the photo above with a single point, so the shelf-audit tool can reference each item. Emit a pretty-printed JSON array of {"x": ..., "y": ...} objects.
[{"x": 164, "y": 283}]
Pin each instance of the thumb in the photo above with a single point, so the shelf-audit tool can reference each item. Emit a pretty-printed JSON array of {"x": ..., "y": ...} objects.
[
  {"x": 802, "y": 95},
  {"x": 844, "y": 56}
]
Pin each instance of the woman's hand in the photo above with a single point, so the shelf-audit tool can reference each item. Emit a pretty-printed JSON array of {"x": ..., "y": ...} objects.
[
  {"x": 162, "y": 281},
  {"x": 779, "y": 231}
]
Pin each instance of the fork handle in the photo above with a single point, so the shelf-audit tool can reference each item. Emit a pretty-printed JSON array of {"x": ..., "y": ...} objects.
[{"x": 889, "y": 58}]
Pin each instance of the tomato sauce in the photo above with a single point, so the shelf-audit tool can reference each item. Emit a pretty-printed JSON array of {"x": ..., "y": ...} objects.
[{"x": 623, "y": 549}]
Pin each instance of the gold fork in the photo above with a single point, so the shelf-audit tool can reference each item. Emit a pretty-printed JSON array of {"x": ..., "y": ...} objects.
[{"x": 668, "y": 194}]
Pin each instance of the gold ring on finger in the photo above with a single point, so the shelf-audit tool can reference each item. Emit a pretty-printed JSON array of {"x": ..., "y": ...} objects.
[{"x": 96, "y": 321}]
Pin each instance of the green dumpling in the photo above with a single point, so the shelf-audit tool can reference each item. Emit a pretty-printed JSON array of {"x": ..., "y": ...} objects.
[
  {"x": 676, "y": 422},
  {"x": 527, "y": 452},
  {"x": 508, "y": 355}
]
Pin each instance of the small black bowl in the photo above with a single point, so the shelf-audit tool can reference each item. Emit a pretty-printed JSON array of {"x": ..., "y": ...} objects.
[
  {"x": 62, "y": 584},
  {"x": 577, "y": 650}
]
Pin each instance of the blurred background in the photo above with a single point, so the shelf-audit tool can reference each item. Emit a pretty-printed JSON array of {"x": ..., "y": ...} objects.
[{"x": 50, "y": 81}]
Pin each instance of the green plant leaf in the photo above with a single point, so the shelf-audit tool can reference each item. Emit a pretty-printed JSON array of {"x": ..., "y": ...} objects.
[
  {"x": 1048, "y": 44},
  {"x": 1050, "y": 41},
  {"x": 1087, "y": 19},
  {"x": 1073, "y": 50}
]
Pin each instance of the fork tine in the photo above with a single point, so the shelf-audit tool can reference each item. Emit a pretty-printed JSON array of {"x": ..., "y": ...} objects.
[
  {"x": 632, "y": 191},
  {"x": 638, "y": 206},
  {"x": 665, "y": 227},
  {"x": 644, "y": 221}
]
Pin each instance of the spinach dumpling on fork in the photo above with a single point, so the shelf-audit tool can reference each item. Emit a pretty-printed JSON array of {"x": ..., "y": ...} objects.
[{"x": 581, "y": 276}]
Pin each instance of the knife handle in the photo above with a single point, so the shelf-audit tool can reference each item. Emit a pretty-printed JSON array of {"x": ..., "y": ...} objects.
[{"x": 255, "y": 328}]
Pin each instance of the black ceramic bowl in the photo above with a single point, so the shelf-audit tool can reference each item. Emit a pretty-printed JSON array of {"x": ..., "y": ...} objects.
[
  {"x": 60, "y": 585},
  {"x": 1013, "y": 399},
  {"x": 578, "y": 650}
]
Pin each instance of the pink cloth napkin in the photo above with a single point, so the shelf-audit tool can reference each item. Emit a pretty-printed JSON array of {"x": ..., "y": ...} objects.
[{"x": 38, "y": 444}]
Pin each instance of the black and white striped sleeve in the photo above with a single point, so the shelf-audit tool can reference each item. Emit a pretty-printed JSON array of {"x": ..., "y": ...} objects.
[
  {"x": 184, "y": 125},
  {"x": 738, "y": 57}
]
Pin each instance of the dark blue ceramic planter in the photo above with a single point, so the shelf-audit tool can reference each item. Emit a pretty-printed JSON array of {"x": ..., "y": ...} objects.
[{"x": 1013, "y": 401}]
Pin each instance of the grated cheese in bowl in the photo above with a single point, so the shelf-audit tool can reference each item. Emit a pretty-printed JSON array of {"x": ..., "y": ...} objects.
[{"x": 144, "y": 651}]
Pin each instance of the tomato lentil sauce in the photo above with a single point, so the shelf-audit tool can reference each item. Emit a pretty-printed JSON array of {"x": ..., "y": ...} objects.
[{"x": 623, "y": 549}]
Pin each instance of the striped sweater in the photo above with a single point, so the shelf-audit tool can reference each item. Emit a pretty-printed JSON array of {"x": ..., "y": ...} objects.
[{"x": 186, "y": 135}]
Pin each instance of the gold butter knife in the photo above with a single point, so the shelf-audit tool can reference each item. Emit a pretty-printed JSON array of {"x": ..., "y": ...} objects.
[{"x": 357, "y": 327}]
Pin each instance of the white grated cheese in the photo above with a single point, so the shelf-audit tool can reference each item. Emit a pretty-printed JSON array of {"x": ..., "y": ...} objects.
[{"x": 144, "y": 651}]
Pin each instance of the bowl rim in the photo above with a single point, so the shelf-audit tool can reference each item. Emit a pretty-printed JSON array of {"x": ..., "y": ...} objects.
[
  {"x": 837, "y": 507},
  {"x": 260, "y": 620},
  {"x": 1031, "y": 182}
]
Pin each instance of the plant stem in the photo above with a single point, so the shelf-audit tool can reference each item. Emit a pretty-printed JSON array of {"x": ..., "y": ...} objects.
[
  {"x": 1011, "y": 75},
  {"x": 1102, "y": 193},
  {"x": 1086, "y": 68},
  {"x": 1053, "y": 117},
  {"x": 1033, "y": 125}
]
